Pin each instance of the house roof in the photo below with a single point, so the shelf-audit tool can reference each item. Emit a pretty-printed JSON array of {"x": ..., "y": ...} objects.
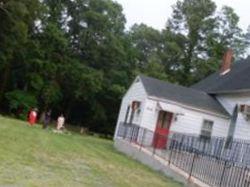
[
  {"x": 236, "y": 80},
  {"x": 186, "y": 96}
]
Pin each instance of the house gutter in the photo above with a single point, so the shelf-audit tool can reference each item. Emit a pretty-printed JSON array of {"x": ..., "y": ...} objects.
[
  {"x": 230, "y": 91},
  {"x": 188, "y": 107}
]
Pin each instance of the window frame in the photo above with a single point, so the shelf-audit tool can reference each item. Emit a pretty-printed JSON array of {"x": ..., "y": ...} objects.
[
  {"x": 206, "y": 132},
  {"x": 136, "y": 110}
]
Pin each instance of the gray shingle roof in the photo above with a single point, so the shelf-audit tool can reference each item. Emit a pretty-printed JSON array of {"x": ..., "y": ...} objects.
[
  {"x": 183, "y": 95},
  {"x": 238, "y": 79}
]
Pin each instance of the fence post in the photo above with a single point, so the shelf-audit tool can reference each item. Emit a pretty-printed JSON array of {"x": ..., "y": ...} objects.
[
  {"x": 125, "y": 130},
  {"x": 223, "y": 172},
  {"x": 155, "y": 142},
  {"x": 244, "y": 177},
  {"x": 192, "y": 166},
  {"x": 171, "y": 151},
  {"x": 142, "y": 139},
  {"x": 132, "y": 133}
]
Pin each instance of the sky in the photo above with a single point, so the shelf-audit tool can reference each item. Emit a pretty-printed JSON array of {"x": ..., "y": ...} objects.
[{"x": 155, "y": 13}]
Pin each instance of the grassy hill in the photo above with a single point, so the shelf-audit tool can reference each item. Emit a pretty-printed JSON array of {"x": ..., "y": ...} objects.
[{"x": 30, "y": 156}]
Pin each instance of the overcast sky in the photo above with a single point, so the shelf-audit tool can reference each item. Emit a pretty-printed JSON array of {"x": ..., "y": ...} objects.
[{"x": 156, "y": 12}]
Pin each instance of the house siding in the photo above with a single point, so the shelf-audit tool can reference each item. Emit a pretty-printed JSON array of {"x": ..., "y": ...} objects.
[
  {"x": 229, "y": 101},
  {"x": 136, "y": 92},
  {"x": 190, "y": 122}
]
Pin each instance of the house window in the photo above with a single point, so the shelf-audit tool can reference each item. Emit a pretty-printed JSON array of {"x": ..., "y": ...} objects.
[
  {"x": 206, "y": 130},
  {"x": 136, "y": 110},
  {"x": 136, "y": 105}
]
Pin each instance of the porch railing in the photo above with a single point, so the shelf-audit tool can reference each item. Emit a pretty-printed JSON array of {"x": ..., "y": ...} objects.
[{"x": 213, "y": 161}]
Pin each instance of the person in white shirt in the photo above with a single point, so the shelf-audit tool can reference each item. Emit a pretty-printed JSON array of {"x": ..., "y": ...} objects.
[{"x": 60, "y": 122}]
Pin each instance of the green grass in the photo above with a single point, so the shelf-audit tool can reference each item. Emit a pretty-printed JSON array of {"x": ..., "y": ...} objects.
[{"x": 30, "y": 156}]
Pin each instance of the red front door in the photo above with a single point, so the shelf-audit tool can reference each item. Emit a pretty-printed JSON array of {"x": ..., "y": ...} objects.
[{"x": 162, "y": 129}]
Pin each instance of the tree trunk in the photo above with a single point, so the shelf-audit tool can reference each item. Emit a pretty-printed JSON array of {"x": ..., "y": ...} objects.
[{"x": 187, "y": 65}]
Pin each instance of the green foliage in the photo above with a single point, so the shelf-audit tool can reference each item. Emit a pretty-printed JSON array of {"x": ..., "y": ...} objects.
[
  {"x": 155, "y": 69},
  {"x": 146, "y": 42},
  {"x": 21, "y": 102},
  {"x": 51, "y": 94},
  {"x": 200, "y": 36},
  {"x": 189, "y": 25},
  {"x": 228, "y": 34}
]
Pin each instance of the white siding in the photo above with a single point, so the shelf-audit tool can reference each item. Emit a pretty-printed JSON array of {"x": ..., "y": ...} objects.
[
  {"x": 229, "y": 101},
  {"x": 136, "y": 92},
  {"x": 190, "y": 122}
]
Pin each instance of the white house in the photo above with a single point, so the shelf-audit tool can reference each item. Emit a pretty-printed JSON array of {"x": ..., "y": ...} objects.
[{"x": 217, "y": 106}]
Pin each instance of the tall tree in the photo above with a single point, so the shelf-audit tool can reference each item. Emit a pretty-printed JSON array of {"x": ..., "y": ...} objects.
[
  {"x": 192, "y": 19},
  {"x": 228, "y": 34},
  {"x": 200, "y": 37},
  {"x": 95, "y": 33},
  {"x": 17, "y": 22},
  {"x": 146, "y": 43}
]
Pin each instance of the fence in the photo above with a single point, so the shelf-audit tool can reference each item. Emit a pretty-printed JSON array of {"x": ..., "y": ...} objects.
[{"x": 205, "y": 159}]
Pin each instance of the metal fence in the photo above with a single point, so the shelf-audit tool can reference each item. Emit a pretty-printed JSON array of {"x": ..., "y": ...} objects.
[{"x": 214, "y": 161}]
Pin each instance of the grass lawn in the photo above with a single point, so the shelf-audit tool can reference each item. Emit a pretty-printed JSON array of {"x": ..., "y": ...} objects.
[{"x": 30, "y": 156}]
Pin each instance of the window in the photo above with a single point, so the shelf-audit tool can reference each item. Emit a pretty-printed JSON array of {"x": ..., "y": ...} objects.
[
  {"x": 136, "y": 105},
  {"x": 206, "y": 130},
  {"x": 136, "y": 110}
]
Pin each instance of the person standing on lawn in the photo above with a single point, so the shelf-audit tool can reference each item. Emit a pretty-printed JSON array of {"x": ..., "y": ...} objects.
[
  {"x": 60, "y": 122},
  {"x": 47, "y": 118},
  {"x": 32, "y": 116}
]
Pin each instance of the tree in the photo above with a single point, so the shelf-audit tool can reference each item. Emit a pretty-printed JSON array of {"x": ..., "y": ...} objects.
[
  {"x": 85, "y": 41},
  {"x": 200, "y": 37},
  {"x": 96, "y": 31},
  {"x": 145, "y": 41},
  {"x": 17, "y": 20},
  {"x": 190, "y": 22},
  {"x": 227, "y": 34},
  {"x": 20, "y": 102}
]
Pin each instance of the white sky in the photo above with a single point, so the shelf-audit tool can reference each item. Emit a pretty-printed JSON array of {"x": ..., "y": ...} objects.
[{"x": 156, "y": 12}]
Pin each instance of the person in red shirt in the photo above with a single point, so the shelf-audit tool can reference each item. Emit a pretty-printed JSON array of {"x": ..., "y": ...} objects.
[{"x": 32, "y": 116}]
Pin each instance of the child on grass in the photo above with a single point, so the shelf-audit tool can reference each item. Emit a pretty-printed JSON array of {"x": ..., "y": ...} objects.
[{"x": 60, "y": 122}]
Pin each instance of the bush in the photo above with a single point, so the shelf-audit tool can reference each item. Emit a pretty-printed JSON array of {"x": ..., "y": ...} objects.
[{"x": 20, "y": 102}]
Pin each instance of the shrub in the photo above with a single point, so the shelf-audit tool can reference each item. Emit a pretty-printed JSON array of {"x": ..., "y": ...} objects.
[{"x": 20, "y": 102}]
